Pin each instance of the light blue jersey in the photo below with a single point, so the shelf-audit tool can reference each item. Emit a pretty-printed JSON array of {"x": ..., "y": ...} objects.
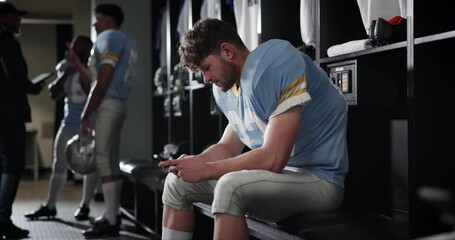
[
  {"x": 75, "y": 98},
  {"x": 115, "y": 48},
  {"x": 275, "y": 77}
]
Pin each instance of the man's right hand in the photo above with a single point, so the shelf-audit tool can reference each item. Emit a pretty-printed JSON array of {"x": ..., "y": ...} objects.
[{"x": 85, "y": 126}]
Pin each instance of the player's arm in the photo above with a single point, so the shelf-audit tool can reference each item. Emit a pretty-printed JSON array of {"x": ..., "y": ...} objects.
[
  {"x": 96, "y": 94},
  {"x": 228, "y": 146},
  {"x": 279, "y": 140}
]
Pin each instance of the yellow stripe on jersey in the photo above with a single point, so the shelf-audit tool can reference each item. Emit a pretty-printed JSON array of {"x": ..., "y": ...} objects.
[
  {"x": 235, "y": 90},
  {"x": 297, "y": 87},
  {"x": 109, "y": 55}
]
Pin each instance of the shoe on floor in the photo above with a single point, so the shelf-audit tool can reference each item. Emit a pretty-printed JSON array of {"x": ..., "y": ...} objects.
[
  {"x": 101, "y": 229},
  {"x": 10, "y": 231},
  {"x": 81, "y": 214},
  {"x": 42, "y": 211},
  {"x": 95, "y": 221}
]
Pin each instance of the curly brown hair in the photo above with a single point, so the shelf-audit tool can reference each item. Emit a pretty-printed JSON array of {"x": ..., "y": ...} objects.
[{"x": 205, "y": 38}]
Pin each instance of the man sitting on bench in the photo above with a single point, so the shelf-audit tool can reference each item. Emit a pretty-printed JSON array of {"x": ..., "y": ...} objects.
[{"x": 281, "y": 106}]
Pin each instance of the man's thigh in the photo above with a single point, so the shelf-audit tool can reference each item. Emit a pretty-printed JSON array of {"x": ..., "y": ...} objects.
[{"x": 273, "y": 196}]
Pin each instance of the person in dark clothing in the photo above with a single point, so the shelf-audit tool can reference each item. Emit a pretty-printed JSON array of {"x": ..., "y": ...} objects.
[{"x": 14, "y": 113}]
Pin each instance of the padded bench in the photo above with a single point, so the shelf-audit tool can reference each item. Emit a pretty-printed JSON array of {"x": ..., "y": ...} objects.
[
  {"x": 141, "y": 193},
  {"x": 342, "y": 224},
  {"x": 147, "y": 181}
]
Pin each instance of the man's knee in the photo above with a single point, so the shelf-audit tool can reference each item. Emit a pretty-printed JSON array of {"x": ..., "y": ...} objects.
[
  {"x": 228, "y": 196},
  {"x": 173, "y": 193},
  {"x": 60, "y": 169},
  {"x": 229, "y": 184},
  {"x": 110, "y": 178}
]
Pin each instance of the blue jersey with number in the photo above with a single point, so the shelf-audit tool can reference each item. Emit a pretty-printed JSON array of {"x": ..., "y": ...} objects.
[
  {"x": 275, "y": 77},
  {"x": 115, "y": 48}
]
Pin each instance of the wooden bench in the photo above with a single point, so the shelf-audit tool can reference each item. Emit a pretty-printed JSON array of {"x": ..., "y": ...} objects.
[{"x": 142, "y": 202}]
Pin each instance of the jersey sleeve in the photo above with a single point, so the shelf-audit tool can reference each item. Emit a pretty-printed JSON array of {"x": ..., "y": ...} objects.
[
  {"x": 279, "y": 80},
  {"x": 110, "y": 46}
]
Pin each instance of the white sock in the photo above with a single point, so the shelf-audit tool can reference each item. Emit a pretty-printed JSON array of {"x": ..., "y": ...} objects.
[
  {"x": 55, "y": 186},
  {"x": 111, "y": 192},
  {"x": 171, "y": 234},
  {"x": 90, "y": 183}
]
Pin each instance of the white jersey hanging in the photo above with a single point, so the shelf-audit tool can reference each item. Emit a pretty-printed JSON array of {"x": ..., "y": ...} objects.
[
  {"x": 308, "y": 22},
  {"x": 211, "y": 9},
  {"x": 247, "y": 14}
]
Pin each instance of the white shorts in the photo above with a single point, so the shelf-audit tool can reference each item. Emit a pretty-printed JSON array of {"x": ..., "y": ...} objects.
[
  {"x": 260, "y": 194},
  {"x": 109, "y": 119}
]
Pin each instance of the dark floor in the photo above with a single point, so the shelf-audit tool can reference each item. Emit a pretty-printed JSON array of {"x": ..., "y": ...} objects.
[{"x": 32, "y": 193}]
